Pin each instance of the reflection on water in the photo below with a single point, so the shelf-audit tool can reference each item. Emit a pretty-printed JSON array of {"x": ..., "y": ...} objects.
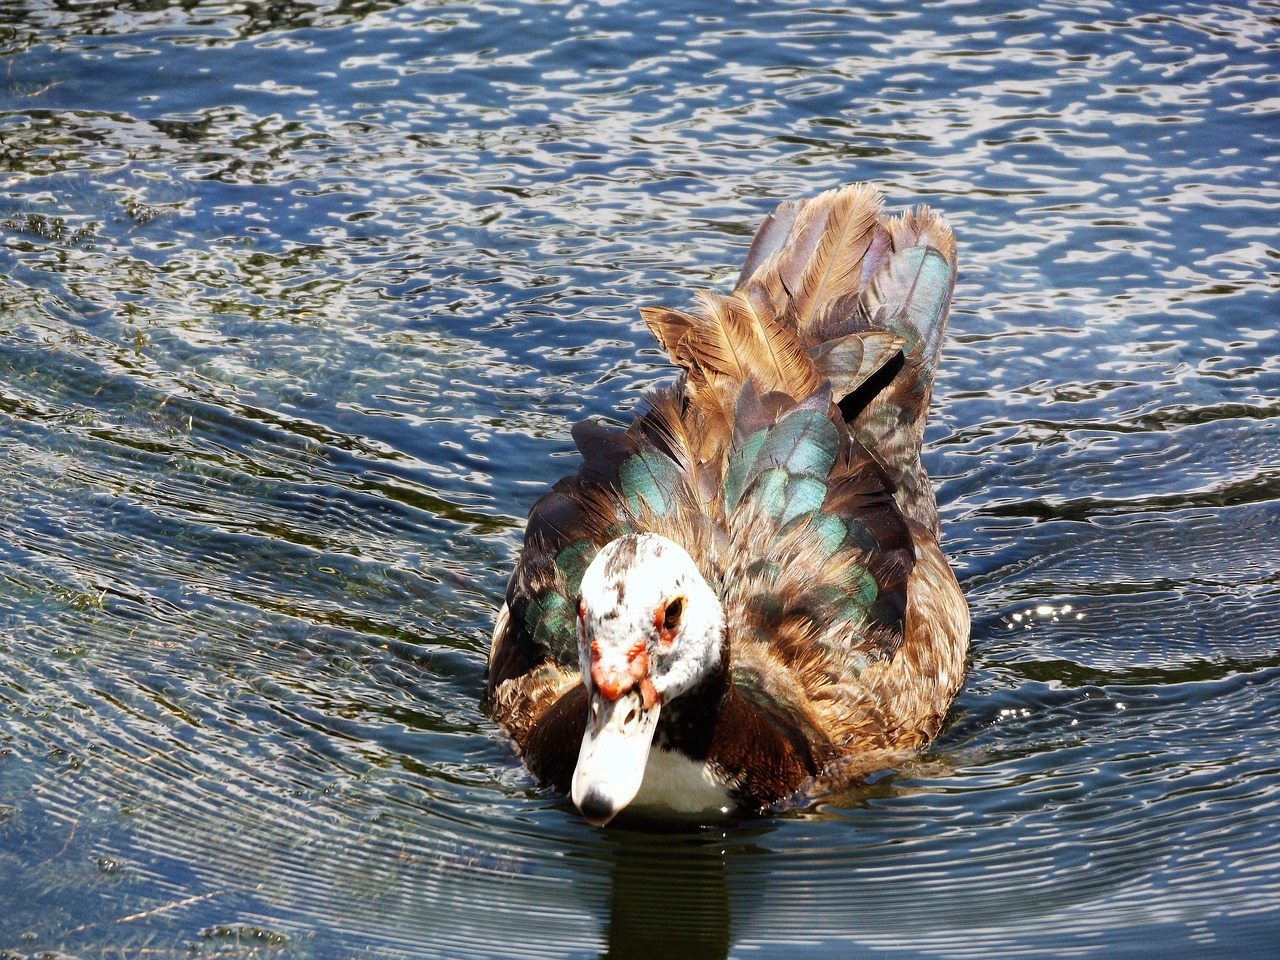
[{"x": 297, "y": 303}]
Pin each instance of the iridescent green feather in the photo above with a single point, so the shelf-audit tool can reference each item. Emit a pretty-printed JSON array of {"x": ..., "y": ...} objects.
[
  {"x": 804, "y": 496},
  {"x": 651, "y": 479},
  {"x": 802, "y": 444},
  {"x": 549, "y": 619},
  {"x": 740, "y": 463},
  {"x": 804, "y": 441},
  {"x": 572, "y": 562}
]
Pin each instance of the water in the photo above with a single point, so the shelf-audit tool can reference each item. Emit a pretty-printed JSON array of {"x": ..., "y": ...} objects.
[{"x": 297, "y": 303}]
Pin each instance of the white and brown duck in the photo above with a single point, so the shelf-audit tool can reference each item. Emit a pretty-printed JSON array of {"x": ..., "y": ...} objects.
[{"x": 741, "y": 598}]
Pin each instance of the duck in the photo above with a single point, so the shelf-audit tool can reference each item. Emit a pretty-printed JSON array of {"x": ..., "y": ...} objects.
[{"x": 740, "y": 602}]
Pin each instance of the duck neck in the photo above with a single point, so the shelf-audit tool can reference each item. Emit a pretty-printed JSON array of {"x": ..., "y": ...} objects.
[
  {"x": 759, "y": 749},
  {"x": 690, "y": 722}
]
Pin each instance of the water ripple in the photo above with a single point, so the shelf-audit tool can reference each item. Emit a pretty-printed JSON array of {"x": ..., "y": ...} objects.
[{"x": 297, "y": 303}]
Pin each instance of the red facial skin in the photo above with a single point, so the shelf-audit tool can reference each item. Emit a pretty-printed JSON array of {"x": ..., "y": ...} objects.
[{"x": 613, "y": 680}]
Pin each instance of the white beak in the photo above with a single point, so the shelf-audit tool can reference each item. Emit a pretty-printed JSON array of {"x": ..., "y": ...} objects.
[{"x": 615, "y": 749}]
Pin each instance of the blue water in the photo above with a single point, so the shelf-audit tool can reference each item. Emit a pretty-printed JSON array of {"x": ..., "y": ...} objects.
[{"x": 297, "y": 304}]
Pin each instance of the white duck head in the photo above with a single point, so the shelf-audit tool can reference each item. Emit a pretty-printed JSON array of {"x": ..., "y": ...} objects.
[{"x": 649, "y": 629}]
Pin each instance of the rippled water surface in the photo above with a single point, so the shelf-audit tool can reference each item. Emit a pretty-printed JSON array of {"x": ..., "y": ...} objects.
[{"x": 297, "y": 304}]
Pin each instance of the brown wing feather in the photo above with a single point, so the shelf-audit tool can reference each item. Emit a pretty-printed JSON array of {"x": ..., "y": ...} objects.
[
  {"x": 911, "y": 692},
  {"x": 821, "y": 260},
  {"x": 696, "y": 437},
  {"x": 669, "y": 327},
  {"x": 731, "y": 339},
  {"x": 891, "y": 708},
  {"x": 763, "y": 350}
]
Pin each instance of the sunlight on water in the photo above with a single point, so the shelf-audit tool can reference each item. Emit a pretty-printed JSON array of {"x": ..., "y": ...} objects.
[{"x": 297, "y": 305}]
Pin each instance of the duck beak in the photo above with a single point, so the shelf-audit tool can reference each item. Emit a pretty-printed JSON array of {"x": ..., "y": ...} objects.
[{"x": 615, "y": 749}]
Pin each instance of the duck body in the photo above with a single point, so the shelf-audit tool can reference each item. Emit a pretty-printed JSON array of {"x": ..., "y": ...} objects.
[{"x": 741, "y": 598}]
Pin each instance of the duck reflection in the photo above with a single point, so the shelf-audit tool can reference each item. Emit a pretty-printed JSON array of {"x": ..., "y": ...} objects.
[{"x": 670, "y": 894}]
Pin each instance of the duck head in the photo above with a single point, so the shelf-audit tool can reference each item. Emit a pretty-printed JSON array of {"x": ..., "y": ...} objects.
[{"x": 649, "y": 629}]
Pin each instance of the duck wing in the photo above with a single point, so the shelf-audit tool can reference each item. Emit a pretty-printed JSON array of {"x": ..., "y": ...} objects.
[{"x": 867, "y": 615}]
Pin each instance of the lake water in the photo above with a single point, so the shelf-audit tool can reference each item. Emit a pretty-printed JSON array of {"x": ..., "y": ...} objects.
[{"x": 297, "y": 304}]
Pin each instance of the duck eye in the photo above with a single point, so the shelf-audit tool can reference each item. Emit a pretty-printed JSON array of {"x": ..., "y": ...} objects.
[{"x": 671, "y": 616}]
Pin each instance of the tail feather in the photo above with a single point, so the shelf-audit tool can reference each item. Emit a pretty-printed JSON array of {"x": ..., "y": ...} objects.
[
  {"x": 848, "y": 362},
  {"x": 769, "y": 238},
  {"x": 922, "y": 227},
  {"x": 819, "y": 260},
  {"x": 909, "y": 298},
  {"x": 868, "y": 297},
  {"x": 831, "y": 291},
  {"x": 732, "y": 339}
]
